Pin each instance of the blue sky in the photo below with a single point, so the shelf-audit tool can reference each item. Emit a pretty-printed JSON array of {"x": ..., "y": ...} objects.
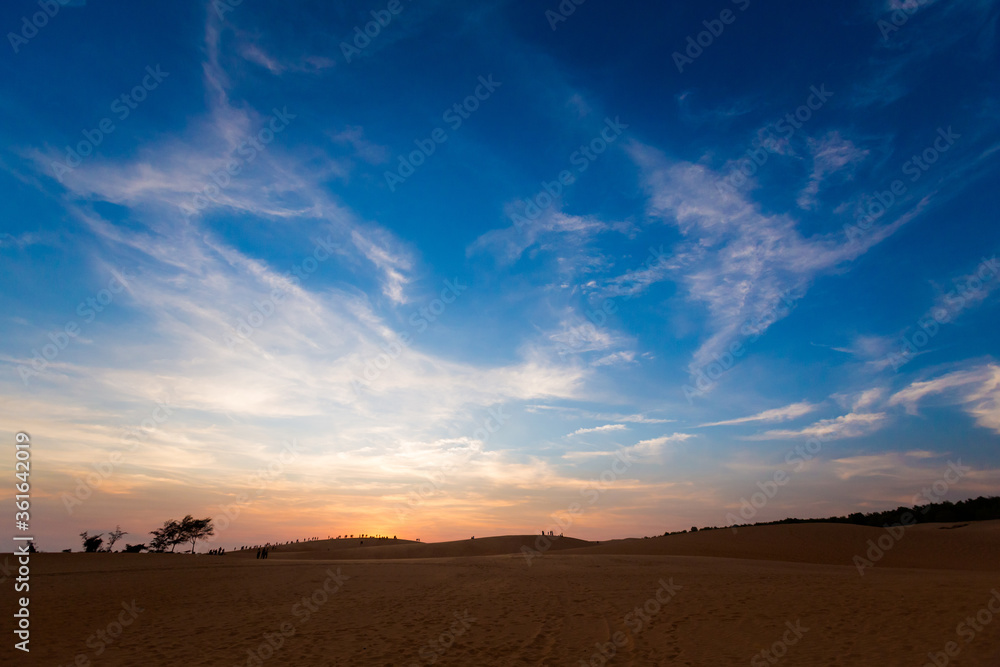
[{"x": 438, "y": 279}]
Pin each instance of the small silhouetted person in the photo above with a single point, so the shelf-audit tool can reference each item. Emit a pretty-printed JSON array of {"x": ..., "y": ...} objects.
[
  {"x": 258, "y": 553},
  {"x": 265, "y": 552}
]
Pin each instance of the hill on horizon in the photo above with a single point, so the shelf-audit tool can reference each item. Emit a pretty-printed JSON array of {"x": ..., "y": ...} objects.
[{"x": 953, "y": 546}]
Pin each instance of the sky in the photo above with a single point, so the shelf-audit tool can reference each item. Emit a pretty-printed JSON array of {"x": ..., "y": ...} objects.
[{"x": 435, "y": 270}]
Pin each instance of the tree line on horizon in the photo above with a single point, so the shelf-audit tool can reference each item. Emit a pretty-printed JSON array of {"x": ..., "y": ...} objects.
[
  {"x": 170, "y": 535},
  {"x": 983, "y": 508}
]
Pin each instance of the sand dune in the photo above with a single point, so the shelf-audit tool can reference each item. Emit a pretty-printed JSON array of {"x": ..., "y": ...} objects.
[
  {"x": 480, "y": 602},
  {"x": 975, "y": 546},
  {"x": 323, "y": 545},
  {"x": 487, "y": 546}
]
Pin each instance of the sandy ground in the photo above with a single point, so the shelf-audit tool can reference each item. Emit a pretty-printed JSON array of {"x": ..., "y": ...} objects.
[{"x": 709, "y": 599}]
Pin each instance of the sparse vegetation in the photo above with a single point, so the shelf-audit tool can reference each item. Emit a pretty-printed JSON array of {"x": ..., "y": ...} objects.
[{"x": 174, "y": 532}]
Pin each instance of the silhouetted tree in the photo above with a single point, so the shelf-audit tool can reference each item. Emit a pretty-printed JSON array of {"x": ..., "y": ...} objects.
[
  {"x": 168, "y": 536},
  {"x": 195, "y": 529},
  {"x": 159, "y": 542},
  {"x": 91, "y": 544},
  {"x": 114, "y": 536}
]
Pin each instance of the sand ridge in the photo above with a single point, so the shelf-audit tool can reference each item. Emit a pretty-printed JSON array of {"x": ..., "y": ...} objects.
[{"x": 353, "y": 549}]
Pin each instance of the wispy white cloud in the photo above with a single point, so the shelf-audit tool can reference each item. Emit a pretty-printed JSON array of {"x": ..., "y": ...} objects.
[
  {"x": 642, "y": 449},
  {"x": 394, "y": 265},
  {"x": 578, "y": 104},
  {"x": 567, "y": 233},
  {"x": 615, "y": 359},
  {"x": 577, "y": 335},
  {"x": 641, "y": 419},
  {"x": 774, "y": 415},
  {"x": 354, "y": 136},
  {"x": 633, "y": 282},
  {"x": 851, "y": 425},
  {"x": 600, "y": 429},
  {"x": 692, "y": 111},
  {"x": 255, "y": 54},
  {"x": 929, "y": 28},
  {"x": 867, "y": 398},
  {"x": 743, "y": 264},
  {"x": 867, "y": 347},
  {"x": 966, "y": 291},
  {"x": 23, "y": 240},
  {"x": 977, "y": 390},
  {"x": 900, "y": 466},
  {"x": 653, "y": 446},
  {"x": 909, "y": 6},
  {"x": 831, "y": 154},
  {"x": 309, "y": 64},
  {"x": 579, "y": 413}
]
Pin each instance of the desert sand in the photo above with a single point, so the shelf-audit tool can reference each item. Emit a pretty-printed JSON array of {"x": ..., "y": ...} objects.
[{"x": 789, "y": 595}]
